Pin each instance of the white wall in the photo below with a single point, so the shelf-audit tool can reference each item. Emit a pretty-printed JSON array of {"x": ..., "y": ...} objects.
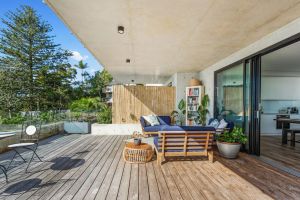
[
  {"x": 280, "y": 88},
  {"x": 181, "y": 81},
  {"x": 207, "y": 75}
]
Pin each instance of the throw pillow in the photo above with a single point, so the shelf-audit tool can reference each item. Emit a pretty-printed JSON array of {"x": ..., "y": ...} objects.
[
  {"x": 223, "y": 124},
  {"x": 152, "y": 120},
  {"x": 215, "y": 123}
]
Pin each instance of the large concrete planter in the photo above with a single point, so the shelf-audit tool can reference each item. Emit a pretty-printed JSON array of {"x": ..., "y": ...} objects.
[
  {"x": 77, "y": 127},
  {"x": 229, "y": 150}
]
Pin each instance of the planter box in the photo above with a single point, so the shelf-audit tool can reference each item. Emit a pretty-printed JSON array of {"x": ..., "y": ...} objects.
[{"x": 77, "y": 127}]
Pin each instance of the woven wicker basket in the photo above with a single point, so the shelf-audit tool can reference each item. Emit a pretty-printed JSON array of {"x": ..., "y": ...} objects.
[
  {"x": 137, "y": 155},
  {"x": 195, "y": 82}
]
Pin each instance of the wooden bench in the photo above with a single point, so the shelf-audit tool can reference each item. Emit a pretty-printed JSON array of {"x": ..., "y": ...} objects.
[{"x": 184, "y": 143}]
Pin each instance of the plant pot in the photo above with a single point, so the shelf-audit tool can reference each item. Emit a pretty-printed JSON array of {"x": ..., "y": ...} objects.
[
  {"x": 229, "y": 150},
  {"x": 137, "y": 141}
]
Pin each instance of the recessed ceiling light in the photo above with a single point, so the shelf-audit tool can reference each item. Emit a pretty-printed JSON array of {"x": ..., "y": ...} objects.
[
  {"x": 127, "y": 60},
  {"x": 121, "y": 29}
]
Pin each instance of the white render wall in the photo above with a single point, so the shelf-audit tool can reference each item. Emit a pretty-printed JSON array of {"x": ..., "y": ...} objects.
[
  {"x": 207, "y": 75},
  {"x": 181, "y": 81}
]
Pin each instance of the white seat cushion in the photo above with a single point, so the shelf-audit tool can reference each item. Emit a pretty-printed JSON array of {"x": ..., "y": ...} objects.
[{"x": 21, "y": 145}]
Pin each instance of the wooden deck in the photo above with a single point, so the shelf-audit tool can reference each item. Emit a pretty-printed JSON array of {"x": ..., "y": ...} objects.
[
  {"x": 92, "y": 167},
  {"x": 287, "y": 155}
]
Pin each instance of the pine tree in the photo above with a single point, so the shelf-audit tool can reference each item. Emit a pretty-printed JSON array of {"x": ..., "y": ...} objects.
[{"x": 26, "y": 44}]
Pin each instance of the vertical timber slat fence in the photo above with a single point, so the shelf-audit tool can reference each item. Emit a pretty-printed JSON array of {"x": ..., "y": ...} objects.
[{"x": 131, "y": 102}]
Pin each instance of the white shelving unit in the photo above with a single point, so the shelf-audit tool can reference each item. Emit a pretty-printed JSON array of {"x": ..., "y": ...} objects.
[{"x": 193, "y": 100}]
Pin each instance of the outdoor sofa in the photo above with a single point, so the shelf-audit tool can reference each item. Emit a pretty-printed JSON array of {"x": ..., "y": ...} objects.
[
  {"x": 171, "y": 140},
  {"x": 165, "y": 125}
]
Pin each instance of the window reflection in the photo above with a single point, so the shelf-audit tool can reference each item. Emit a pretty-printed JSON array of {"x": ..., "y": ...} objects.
[{"x": 229, "y": 98}]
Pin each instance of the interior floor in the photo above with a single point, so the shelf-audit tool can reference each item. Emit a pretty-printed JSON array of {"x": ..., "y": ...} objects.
[{"x": 287, "y": 155}]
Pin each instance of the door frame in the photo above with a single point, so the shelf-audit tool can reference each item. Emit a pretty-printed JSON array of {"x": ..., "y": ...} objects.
[{"x": 255, "y": 88}]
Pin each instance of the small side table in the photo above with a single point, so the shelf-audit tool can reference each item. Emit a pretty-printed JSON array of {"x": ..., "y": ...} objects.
[
  {"x": 137, "y": 153},
  {"x": 2, "y": 136}
]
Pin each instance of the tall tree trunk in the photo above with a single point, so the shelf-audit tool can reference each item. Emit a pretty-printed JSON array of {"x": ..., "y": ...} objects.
[{"x": 31, "y": 101}]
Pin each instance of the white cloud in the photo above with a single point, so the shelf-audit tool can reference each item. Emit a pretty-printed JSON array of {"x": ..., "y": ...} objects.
[{"x": 78, "y": 57}]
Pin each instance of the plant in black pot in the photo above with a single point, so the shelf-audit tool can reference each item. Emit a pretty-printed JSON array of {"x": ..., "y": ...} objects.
[{"x": 229, "y": 143}]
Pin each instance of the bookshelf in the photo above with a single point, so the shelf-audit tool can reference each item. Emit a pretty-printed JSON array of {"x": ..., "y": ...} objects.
[{"x": 193, "y": 100}]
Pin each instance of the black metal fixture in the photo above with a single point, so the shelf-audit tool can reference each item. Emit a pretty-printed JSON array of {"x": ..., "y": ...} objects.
[
  {"x": 127, "y": 60},
  {"x": 121, "y": 29}
]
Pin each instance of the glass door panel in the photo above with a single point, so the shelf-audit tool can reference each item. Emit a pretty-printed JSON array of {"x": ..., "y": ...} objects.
[
  {"x": 229, "y": 95},
  {"x": 247, "y": 100}
]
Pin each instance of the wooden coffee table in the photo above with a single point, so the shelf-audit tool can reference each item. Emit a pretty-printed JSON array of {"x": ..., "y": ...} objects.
[{"x": 137, "y": 153}]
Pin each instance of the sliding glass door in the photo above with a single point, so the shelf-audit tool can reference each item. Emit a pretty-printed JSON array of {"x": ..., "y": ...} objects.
[
  {"x": 229, "y": 95},
  {"x": 236, "y": 100}
]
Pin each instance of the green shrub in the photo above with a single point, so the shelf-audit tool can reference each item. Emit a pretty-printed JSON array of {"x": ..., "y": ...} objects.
[
  {"x": 14, "y": 120},
  {"x": 86, "y": 105},
  {"x": 105, "y": 115},
  {"x": 91, "y": 110},
  {"x": 46, "y": 116},
  {"x": 236, "y": 136}
]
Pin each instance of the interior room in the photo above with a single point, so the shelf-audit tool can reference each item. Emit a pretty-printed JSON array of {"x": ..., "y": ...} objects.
[{"x": 280, "y": 98}]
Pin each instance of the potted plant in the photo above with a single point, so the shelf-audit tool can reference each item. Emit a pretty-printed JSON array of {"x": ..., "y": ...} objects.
[
  {"x": 229, "y": 143},
  {"x": 203, "y": 110},
  {"x": 179, "y": 116}
]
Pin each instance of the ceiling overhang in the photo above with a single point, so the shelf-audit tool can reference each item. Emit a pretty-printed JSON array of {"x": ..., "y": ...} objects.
[{"x": 167, "y": 36}]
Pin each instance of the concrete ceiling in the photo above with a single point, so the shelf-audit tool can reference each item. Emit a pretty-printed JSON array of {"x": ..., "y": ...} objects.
[{"x": 167, "y": 36}]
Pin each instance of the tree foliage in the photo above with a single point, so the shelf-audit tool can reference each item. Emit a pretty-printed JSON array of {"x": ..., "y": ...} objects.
[
  {"x": 38, "y": 67},
  {"x": 98, "y": 82},
  {"x": 35, "y": 73}
]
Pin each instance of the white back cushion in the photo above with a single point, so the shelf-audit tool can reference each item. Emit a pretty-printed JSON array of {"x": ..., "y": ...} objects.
[
  {"x": 215, "y": 123},
  {"x": 223, "y": 124},
  {"x": 152, "y": 120}
]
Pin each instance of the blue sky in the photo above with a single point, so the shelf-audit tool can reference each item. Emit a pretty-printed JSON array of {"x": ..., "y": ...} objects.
[{"x": 62, "y": 33}]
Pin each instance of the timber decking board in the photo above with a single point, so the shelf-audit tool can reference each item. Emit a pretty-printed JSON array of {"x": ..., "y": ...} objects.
[
  {"x": 50, "y": 177},
  {"x": 42, "y": 174},
  {"x": 287, "y": 155},
  {"x": 105, "y": 175}
]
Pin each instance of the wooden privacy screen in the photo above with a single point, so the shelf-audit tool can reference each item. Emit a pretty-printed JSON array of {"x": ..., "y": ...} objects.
[{"x": 131, "y": 102}]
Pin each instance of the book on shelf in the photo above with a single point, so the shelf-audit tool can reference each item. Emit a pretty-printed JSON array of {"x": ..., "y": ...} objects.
[{"x": 193, "y": 92}]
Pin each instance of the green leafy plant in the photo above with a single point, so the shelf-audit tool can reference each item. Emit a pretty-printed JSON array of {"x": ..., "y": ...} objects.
[
  {"x": 18, "y": 119},
  {"x": 236, "y": 136},
  {"x": 203, "y": 111},
  {"x": 179, "y": 115},
  {"x": 105, "y": 116},
  {"x": 86, "y": 105},
  {"x": 46, "y": 116}
]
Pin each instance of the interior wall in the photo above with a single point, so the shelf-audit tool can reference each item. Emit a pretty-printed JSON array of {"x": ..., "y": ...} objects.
[{"x": 180, "y": 81}]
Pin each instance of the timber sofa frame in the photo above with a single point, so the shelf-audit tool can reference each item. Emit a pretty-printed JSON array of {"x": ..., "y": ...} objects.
[{"x": 184, "y": 143}]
